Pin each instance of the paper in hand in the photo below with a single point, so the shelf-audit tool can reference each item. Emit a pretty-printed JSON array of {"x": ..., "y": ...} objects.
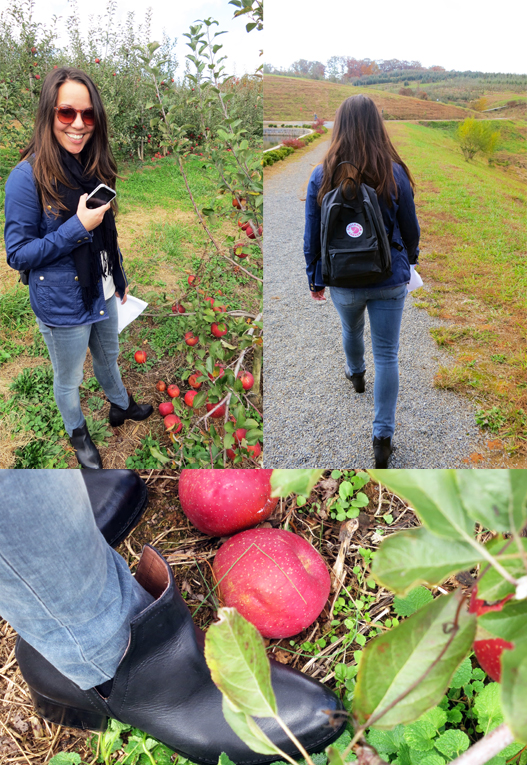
[
  {"x": 129, "y": 311},
  {"x": 415, "y": 280}
]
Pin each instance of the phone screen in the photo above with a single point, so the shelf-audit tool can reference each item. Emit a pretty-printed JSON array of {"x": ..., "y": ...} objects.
[{"x": 101, "y": 196}]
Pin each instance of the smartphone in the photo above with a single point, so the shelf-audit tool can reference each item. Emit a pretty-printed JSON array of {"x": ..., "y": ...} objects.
[{"x": 100, "y": 196}]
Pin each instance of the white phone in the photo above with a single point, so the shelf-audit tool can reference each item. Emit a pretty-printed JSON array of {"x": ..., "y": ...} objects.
[{"x": 100, "y": 196}]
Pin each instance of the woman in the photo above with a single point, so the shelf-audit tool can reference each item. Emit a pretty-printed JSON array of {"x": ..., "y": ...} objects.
[
  {"x": 71, "y": 251},
  {"x": 360, "y": 140}
]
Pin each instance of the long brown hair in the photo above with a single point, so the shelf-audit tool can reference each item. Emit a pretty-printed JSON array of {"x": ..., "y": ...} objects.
[
  {"x": 47, "y": 168},
  {"x": 359, "y": 136}
]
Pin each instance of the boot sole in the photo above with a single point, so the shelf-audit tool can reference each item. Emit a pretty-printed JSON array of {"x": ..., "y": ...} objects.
[{"x": 59, "y": 714}]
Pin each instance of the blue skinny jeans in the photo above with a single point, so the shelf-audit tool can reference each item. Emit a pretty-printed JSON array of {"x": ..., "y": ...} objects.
[
  {"x": 385, "y": 311},
  {"x": 67, "y": 349},
  {"x": 62, "y": 587}
]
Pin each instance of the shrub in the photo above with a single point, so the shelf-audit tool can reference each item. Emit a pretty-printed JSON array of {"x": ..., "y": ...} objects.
[
  {"x": 295, "y": 143},
  {"x": 474, "y": 136}
]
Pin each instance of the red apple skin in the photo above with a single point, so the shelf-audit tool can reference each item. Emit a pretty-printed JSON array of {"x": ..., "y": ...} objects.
[
  {"x": 140, "y": 357},
  {"x": 178, "y": 308},
  {"x": 220, "y": 370},
  {"x": 161, "y": 386},
  {"x": 281, "y": 590},
  {"x": 173, "y": 391},
  {"x": 193, "y": 381},
  {"x": 220, "y": 502},
  {"x": 173, "y": 423},
  {"x": 217, "y": 330},
  {"x": 254, "y": 450},
  {"x": 247, "y": 380},
  {"x": 167, "y": 407},
  {"x": 190, "y": 339},
  {"x": 231, "y": 454},
  {"x": 239, "y": 434},
  {"x": 189, "y": 397},
  {"x": 220, "y": 411},
  {"x": 488, "y": 652}
]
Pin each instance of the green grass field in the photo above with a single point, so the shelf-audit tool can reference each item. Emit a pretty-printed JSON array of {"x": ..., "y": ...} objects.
[{"x": 474, "y": 246}]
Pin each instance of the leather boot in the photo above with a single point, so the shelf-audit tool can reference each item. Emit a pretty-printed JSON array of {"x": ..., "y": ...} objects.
[
  {"x": 382, "y": 448},
  {"x": 85, "y": 450},
  {"x": 118, "y": 499},
  {"x": 134, "y": 412},
  {"x": 163, "y": 686},
  {"x": 357, "y": 380}
]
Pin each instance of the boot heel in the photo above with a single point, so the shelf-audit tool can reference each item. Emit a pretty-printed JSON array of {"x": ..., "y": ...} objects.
[{"x": 68, "y": 716}]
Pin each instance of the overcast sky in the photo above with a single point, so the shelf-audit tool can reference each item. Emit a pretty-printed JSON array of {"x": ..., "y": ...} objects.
[
  {"x": 174, "y": 17},
  {"x": 456, "y": 34}
]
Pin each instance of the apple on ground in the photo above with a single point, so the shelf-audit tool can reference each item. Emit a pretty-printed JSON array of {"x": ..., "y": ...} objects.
[
  {"x": 210, "y": 300},
  {"x": 217, "y": 372},
  {"x": 192, "y": 279},
  {"x": 140, "y": 357},
  {"x": 160, "y": 386},
  {"x": 173, "y": 423},
  {"x": 247, "y": 379},
  {"x": 220, "y": 502},
  {"x": 193, "y": 381},
  {"x": 191, "y": 339},
  {"x": 219, "y": 412},
  {"x": 238, "y": 250},
  {"x": 219, "y": 329},
  {"x": 166, "y": 407},
  {"x": 178, "y": 308},
  {"x": 254, "y": 450},
  {"x": 219, "y": 308},
  {"x": 488, "y": 651},
  {"x": 231, "y": 454},
  {"x": 250, "y": 233},
  {"x": 276, "y": 580},
  {"x": 239, "y": 434},
  {"x": 189, "y": 397},
  {"x": 173, "y": 390}
]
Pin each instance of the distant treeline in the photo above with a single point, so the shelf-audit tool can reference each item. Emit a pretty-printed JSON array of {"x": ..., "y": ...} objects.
[{"x": 347, "y": 70}]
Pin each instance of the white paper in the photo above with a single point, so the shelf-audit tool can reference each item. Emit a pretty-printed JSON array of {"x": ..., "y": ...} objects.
[
  {"x": 415, "y": 280},
  {"x": 129, "y": 311}
]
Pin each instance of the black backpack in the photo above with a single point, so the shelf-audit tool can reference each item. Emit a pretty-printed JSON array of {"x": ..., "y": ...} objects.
[{"x": 355, "y": 250}]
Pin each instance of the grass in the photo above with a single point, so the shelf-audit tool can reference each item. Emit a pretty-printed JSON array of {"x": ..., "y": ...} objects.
[
  {"x": 473, "y": 246},
  {"x": 162, "y": 243}
]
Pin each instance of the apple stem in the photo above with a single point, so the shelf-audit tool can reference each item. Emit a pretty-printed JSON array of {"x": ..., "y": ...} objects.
[
  {"x": 485, "y": 749},
  {"x": 295, "y": 741}
]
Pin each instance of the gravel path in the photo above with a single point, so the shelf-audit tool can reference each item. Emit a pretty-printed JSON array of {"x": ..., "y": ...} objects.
[{"x": 313, "y": 417}]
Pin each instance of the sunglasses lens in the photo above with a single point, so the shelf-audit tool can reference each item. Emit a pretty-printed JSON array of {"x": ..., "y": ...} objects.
[
  {"x": 89, "y": 117},
  {"x": 66, "y": 116}
]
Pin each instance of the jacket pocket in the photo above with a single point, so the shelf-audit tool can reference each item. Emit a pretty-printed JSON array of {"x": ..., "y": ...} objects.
[{"x": 58, "y": 297}]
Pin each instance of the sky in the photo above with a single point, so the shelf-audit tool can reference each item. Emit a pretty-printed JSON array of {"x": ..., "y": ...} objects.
[
  {"x": 455, "y": 34},
  {"x": 175, "y": 18}
]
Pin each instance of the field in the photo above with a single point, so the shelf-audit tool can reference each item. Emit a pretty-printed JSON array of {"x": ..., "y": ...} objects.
[
  {"x": 293, "y": 98},
  {"x": 162, "y": 243}
]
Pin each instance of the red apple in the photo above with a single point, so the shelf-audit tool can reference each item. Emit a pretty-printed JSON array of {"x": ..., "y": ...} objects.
[
  {"x": 167, "y": 407},
  {"x": 220, "y": 502},
  {"x": 173, "y": 390},
  {"x": 189, "y": 397},
  {"x": 219, "y": 412},
  {"x": 140, "y": 357},
  {"x": 247, "y": 380},
  {"x": 97, "y": 60},
  {"x": 260, "y": 230},
  {"x": 161, "y": 386},
  {"x": 250, "y": 233},
  {"x": 254, "y": 450},
  {"x": 275, "y": 578},
  {"x": 238, "y": 250},
  {"x": 210, "y": 300},
  {"x": 219, "y": 309},
  {"x": 219, "y": 329},
  {"x": 173, "y": 423},
  {"x": 192, "y": 279},
  {"x": 231, "y": 454},
  {"x": 33, "y": 50},
  {"x": 488, "y": 652},
  {"x": 239, "y": 434},
  {"x": 193, "y": 381},
  {"x": 37, "y": 77},
  {"x": 191, "y": 339},
  {"x": 178, "y": 308},
  {"x": 236, "y": 204},
  {"x": 217, "y": 372}
]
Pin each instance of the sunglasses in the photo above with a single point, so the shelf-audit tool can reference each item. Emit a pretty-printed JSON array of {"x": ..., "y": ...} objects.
[{"x": 67, "y": 115}]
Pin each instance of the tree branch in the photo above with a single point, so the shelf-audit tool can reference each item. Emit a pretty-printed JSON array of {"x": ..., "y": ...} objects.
[{"x": 487, "y": 747}]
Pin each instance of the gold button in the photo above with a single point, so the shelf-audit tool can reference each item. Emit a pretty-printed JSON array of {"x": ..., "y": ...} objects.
[
  {"x": 102, "y": 313},
  {"x": 76, "y": 278},
  {"x": 86, "y": 237},
  {"x": 79, "y": 241},
  {"x": 49, "y": 207},
  {"x": 41, "y": 278}
]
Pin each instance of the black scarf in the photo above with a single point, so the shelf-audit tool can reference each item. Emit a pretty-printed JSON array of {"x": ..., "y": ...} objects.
[{"x": 87, "y": 256}]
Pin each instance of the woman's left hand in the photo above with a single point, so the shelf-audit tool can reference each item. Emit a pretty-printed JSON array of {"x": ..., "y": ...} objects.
[{"x": 123, "y": 301}]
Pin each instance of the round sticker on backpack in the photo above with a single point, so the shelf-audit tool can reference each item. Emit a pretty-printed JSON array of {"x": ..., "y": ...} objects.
[{"x": 354, "y": 230}]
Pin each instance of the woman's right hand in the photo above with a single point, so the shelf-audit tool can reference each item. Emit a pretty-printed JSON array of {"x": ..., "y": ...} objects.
[{"x": 90, "y": 219}]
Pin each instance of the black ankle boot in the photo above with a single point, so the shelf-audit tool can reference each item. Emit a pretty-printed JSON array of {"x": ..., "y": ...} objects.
[
  {"x": 357, "y": 380},
  {"x": 163, "y": 686},
  {"x": 134, "y": 412},
  {"x": 85, "y": 450},
  {"x": 382, "y": 448},
  {"x": 118, "y": 500}
]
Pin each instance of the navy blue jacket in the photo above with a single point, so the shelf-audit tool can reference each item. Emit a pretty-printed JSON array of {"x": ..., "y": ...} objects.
[
  {"x": 400, "y": 218},
  {"x": 36, "y": 239}
]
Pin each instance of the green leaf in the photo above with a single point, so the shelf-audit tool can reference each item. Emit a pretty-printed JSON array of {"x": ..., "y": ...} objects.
[
  {"x": 463, "y": 674},
  {"x": 286, "y": 482},
  {"x": 509, "y": 624},
  {"x": 225, "y": 760},
  {"x": 65, "y": 758},
  {"x": 416, "y": 556},
  {"x": 492, "y": 586},
  {"x": 419, "y": 735},
  {"x": 432, "y": 759},
  {"x": 435, "y": 497},
  {"x": 248, "y": 730},
  {"x": 415, "y": 599},
  {"x": 404, "y": 654},
  {"x": 200, "y": 399},
  {"x": 334, "y": 756},
  {"x": 235, "y": 655},
  {"x": 486, "y": 495},
  {"x": 386, "y": 742},
  {"x": 487, "y": 707},
  {"x": 436, "y": 716},
  {"x": 452, "y": 743},
  {"x": 513, "y": 684}
]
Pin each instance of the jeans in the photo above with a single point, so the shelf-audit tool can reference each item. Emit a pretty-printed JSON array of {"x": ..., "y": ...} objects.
[
  {"x": 385, "y": 310},
  {"x": 67, "y": 348},
  {"x": 62, "y": 587}
]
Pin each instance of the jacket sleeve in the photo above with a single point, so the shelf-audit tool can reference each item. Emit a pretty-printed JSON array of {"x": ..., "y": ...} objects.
[
  {"x": 25, "y": 247},
  {"x": 407, "y": 218},
  {"x": 312, "y": 232}
]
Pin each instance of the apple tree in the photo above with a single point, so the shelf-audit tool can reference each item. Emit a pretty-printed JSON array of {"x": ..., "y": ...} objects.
[{"x": 405, "y": 671}]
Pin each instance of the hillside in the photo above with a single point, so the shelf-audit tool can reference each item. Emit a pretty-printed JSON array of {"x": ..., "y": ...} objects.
[{"x": 293, "y": 98}]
